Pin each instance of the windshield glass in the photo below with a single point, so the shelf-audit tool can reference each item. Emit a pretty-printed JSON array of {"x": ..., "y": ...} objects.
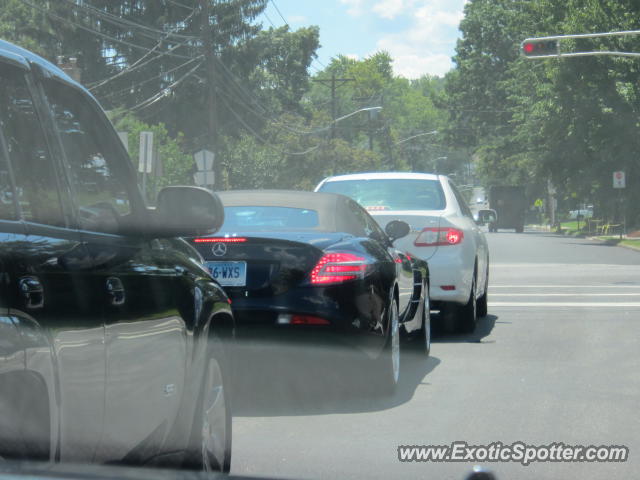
[
  {"x": 391, "y": 194},
  {"x": 268, "y": 218}
]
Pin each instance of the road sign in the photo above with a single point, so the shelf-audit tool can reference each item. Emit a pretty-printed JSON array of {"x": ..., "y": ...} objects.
[
  {"x": 204, "y": 178},
  {"x": 145, "y": 162},
  {"x": 619, "y": 180},
  {"x": 204, "y": 159}
]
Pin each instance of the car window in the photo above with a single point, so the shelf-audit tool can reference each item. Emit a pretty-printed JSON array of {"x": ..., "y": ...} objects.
[
  {"x": 391, "y": 193},
  {"x": 268, "y": 218},
  {"x": 37, "y": 193},
  {"x": 7, "y": 205},
  {"x": 461, "y": 201},
  {"x": 100, "y": 193},
  {"x": 370, "y": 226}
]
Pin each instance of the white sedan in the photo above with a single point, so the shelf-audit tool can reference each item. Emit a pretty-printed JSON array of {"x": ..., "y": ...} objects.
[{"x": 443, "y": 232}]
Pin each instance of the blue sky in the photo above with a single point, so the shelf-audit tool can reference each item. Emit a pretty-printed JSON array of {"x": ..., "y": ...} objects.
[{"x": 420, "y": 35}]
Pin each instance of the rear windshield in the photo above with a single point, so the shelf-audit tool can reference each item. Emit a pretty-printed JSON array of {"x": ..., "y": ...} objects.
[
  {"x": 268, "y": 218},
  {"x": 391, "y": 194}
]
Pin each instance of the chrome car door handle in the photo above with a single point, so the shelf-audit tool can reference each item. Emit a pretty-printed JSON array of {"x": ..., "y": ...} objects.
[
  {"x": 115, "y": 291},
  {"x": 32, "y": 291}
]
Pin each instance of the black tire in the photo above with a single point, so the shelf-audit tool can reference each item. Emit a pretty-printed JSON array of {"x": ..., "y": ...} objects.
[
  {"x": 519, "y": 229},
  {"x": 482, "y": 308},
  {"x": 390, "y": 358},
  {"x": 467, "y": 315},
  {"x": 210, "y": 445},
  {"x": 425, "y": 331}
]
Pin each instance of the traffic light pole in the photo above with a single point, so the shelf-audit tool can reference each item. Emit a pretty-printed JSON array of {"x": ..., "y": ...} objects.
[{"x": 541, "y": 47}]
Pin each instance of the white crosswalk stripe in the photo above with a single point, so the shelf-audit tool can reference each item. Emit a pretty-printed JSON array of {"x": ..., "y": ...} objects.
[{"x": 565, "y": 296}]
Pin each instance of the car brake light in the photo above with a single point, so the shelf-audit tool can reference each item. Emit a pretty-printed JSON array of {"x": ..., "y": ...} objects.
[
  {"x": 432, "y": 237},
  {"x": 220, "y": 240},
  {"x": 337, "y": 268},
  {"x": 308, "y": 320}
]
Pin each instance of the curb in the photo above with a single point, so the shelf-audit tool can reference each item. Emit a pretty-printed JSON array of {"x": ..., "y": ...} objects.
[{"x": 628, "y": 247}]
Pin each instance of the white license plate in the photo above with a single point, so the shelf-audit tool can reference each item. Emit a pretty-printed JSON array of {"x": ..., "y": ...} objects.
[{"x": 229, "y": 274}]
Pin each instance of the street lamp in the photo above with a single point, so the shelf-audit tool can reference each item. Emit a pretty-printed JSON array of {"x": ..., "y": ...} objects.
[
  {"x": 416, "y": 136},
  {"x": 367, "y": 109}
]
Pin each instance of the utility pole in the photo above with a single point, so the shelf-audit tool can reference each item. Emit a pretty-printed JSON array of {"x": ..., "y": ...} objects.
[
  {"x": 206, "y": 32},
  {"x": 334, "y": 83}
]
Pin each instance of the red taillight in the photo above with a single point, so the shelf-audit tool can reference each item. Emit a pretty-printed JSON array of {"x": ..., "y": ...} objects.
[
  {"x": 220, "y": 240},
  {"x": 308, "y": 320},
  {"x": 337, "y": 268},
  {"x": 432, "y": 237}
]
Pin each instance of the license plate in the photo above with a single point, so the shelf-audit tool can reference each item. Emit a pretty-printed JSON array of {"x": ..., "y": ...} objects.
[{"x": 229, "y": 274}]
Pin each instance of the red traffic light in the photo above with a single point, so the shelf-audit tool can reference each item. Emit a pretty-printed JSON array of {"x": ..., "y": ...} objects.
[{"x": 540, "y": 48}]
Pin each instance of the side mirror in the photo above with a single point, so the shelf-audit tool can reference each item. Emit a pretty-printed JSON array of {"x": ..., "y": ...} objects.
[
  {"x": 188, "y": 212},
  {"x": 486, "y": 216},
  {"x": 396, "y": 229}
]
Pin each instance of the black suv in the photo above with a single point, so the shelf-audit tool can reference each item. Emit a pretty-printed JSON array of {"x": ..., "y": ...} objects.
[{"x": 112, "y": 335}]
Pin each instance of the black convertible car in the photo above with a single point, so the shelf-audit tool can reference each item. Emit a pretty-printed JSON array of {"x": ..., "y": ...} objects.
[{"x": 315, "y": 262}]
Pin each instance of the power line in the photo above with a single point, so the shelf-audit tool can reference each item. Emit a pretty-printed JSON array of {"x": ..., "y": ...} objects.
[
  {"x": 137, "y": 65},
  {"x": 279, "y": 12},
  {"x": 262, "y": 140},
  {"x": 123, "y": 22},
  {"x": 155, "y": 77},
  {"x": 178, "y": 4},
  {"x": 289, "y": 27},
  {"x": 54, "y": 16},
  {"x": 164, "y": 92}
]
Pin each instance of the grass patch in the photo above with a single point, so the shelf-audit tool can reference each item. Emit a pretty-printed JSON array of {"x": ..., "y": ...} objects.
[{"x": 631, "y": 242}]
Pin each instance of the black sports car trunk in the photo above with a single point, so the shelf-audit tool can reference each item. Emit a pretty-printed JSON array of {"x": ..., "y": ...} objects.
[{"x": 263, "y": 264}]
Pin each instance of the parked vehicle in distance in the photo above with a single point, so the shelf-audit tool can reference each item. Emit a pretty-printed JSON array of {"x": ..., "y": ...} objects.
[
  {"x": 112, "y": 334},
  {"x": 582, "y": 213},
  {"x": 510, "y": 204},
  {"x": 443, "y": 233},
  {"x": 316, "y": 267}
]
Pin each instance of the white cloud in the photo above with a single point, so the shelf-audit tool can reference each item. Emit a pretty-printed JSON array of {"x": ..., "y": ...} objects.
[
  {"x": 389, "y": 9},
  {"x": 297, "y": 19},
  {"x": 424, "y": 46},
  {"x": 355, "y": 8}
]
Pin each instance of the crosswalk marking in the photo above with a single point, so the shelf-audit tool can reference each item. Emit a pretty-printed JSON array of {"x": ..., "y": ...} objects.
[
  {"x": 566, "y": 304},
  {"x": 564, "y": 286}
]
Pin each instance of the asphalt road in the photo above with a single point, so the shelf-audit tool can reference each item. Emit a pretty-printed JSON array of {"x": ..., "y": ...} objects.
[{"x": 557, "y": 360}]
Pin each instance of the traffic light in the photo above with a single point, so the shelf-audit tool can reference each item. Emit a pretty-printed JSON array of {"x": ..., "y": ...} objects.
[{"x": 540, "y": 48}]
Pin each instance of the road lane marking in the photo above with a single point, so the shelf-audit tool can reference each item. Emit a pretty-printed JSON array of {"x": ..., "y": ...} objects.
[
  {"x": 566, "y": 304},
  {"x": 561, "y": 266}
]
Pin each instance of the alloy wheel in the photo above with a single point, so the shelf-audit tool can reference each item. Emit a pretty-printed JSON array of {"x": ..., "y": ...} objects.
[{"x": 214, "y": 420}]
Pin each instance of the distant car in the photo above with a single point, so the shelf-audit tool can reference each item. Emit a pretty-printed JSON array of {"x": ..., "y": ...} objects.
[
  {"x": 581, "y": 213},
  {"x": 443, "y": 233},
  {"x": 112, "y": 334},
  {"x": 317, "y": 265}
]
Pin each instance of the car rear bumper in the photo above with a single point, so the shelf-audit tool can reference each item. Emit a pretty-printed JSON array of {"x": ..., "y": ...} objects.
[
  {"x": 352, "y": 311},
  {"x": 450, "y": 277}
]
